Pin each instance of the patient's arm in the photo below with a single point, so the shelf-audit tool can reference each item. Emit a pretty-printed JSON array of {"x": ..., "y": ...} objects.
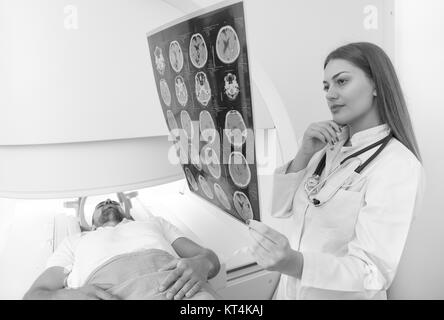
[
  {"x": 187, "y": 248},
  {"x": 197, "y": 265},
  {"x": 50, "y": 285}
]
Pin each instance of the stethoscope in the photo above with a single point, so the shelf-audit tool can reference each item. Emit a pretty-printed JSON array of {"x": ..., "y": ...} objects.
[{"x": 314, "y": 184}]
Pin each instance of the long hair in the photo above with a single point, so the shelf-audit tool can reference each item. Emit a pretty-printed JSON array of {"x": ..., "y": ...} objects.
[{"x": 390, "y": 100}]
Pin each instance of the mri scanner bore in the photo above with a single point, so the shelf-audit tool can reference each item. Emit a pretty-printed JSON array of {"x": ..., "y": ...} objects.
[{"x": 213, "y": 103}]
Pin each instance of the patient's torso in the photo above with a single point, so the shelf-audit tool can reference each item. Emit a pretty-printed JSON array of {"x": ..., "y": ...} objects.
[{"x": 94, "y": 248}]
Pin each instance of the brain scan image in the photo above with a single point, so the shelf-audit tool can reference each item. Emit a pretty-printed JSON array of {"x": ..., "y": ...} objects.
[
  {"x": 159, "y": 60},
  {"x": 191, "y": 179},
  {"x": 231, "y": 87},
  {"x": 207, "y": 127},
  {"x": 165, "y": 92},
  {"x": 211, "y": 160},
  {"x": 198, "y": 50},
  {"x": 181, "y": 91},
  {"x": 235, "y": 128},
  {"x": 239, "y": 170},
  {"x": 206, "y": 187},
  {"x": 242, "y": 205},
  {"x": 195, "y": 161},
  {"x": 176, "y": 56},
  {"x": 182, "y": 151},
  {"x": 221, "y": 196},
  {"x": 187, "y": 124},
  {"x": 172, "y": 123},
  {"x": 203, "y": 90},
  {"x": 227, "y": 45}
]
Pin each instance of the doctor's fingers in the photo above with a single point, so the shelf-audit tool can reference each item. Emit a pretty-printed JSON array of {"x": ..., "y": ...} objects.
[
  {"x": 261, "y": 257},
  {"x": 266, "y": 231},
  {"x": 335, "y": 126},
  {"x": 328, "y": 132},
  {"x": 262, "y": 241},
  {"x": 178, "y": 285}
]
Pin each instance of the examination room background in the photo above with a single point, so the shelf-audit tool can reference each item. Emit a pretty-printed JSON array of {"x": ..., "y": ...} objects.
[{"x": 418, "y": 54}]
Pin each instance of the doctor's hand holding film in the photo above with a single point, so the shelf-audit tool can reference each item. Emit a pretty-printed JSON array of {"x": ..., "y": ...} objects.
[
  {"x": 187, "y": 277},
  {"x": 272, "y": 250}
]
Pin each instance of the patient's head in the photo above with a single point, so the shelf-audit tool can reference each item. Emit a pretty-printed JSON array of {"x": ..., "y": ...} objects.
[{"x": 107, "y": 213}]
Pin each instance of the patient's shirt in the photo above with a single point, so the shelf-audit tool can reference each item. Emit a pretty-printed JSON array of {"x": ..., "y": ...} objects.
[{"x": 82, "y": 253}]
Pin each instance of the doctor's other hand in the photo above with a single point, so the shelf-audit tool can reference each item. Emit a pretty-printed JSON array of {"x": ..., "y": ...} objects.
[
  {"x": 186, "y": 279},
  {"x": 272, "y": 250},
  {"x": 317, "y": 135}
]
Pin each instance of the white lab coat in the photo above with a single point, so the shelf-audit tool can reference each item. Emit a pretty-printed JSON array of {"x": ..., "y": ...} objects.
[{"x": 353, "y": 243}]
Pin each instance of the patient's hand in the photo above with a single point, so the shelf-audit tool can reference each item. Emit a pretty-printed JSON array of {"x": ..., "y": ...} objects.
[
  {"x": 187, "y": 278},
  {"x": 88, "y": 292}
]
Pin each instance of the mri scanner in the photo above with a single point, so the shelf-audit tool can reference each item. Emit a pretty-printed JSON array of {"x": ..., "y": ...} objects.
[{"x": 81, "y": 120}]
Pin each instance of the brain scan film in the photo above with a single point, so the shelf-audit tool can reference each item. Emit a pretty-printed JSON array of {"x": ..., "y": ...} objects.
[
  {"x": 159, "y": 60},
  {"x": 211, "y": 160},
  {"x": 206, "y": 187},
  {"x": 172, "y": 124},
  {"x": 207, "y": 127},
  {"x": 203, "y": 90},
  {"x": 231, "y": 87},
  {"x": 191, "y": 179},
  {"x": 239, "y": 169},
  {"x": 165, "y": 92},
  {"x": 187, "y": 124},
  {"x": 242, "y": 205},
  {"x": 176, "y": 56},
  {"x": 222, "y": 196},
  {"x": 227, "y": 45},
  {"x": 181, "y": 91},
  {"x": 235, "y": 128},
  {"x": 198, "y": 50},
  {"x": 202, "y": 74}
]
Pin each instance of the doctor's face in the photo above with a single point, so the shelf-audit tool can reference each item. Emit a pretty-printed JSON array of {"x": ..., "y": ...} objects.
[{"x": 349, "y": 92}]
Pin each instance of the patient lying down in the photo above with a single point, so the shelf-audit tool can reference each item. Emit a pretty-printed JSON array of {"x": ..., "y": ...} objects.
[{"x": 126, "y": 259}]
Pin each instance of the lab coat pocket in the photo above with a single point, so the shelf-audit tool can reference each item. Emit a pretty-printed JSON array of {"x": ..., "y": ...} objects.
[{"x": 340, "y": 213}]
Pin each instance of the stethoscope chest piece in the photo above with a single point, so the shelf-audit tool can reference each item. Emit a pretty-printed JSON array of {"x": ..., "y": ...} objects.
[{"x": 312, "y": 183}]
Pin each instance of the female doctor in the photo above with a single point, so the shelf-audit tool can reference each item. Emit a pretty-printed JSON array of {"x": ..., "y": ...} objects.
[{"x": 351, "y": 189}]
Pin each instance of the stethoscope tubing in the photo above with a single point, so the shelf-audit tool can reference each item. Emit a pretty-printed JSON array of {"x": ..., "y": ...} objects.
[{"x": 321, "y": 165}]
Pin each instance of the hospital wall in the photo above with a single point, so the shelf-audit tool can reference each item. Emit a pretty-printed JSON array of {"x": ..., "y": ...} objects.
[{"x": 419, "y": 47}]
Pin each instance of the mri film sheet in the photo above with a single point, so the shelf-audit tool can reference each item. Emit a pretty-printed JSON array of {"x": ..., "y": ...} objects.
[{"x": 201, "y": 70}]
